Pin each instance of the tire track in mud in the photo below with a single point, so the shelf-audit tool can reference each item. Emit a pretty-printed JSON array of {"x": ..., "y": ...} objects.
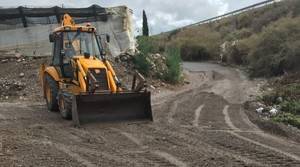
[
  {"x": 2, "y": 117},
  {"x": 208, "y": 112},
  {"x": 87, "y": 156},
  {"x": 184, "y": 147},
  {"x": 182, "y": 110},
  {"x": 230, "y": 124},
  {"x": 74, "y": 155},
  {"x": 197, "y": 115},
  {"x": 191, "y": 128},
  {"x": 173, "y": 109},
  {"x": 211, "y": 117},
  {"x": 170, "y": 158},
  {"x": 240, "y": 120},
  {"x": 200, "y": 147},
  {"x": 232, "y": 129},
  {"x": 91, "y": 147},
  {"x": 108, "y": 142},
  {"x": 139, "y": 156},
  {"x": 167, "y": 156},
  {"x": 249, "y": 152}
]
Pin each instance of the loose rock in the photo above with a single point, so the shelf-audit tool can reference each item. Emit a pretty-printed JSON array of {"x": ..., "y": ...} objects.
[{"x": 21, "y": 75}]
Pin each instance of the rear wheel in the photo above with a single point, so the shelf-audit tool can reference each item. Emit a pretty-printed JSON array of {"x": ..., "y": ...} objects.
[
  {"x": 51, "y": 89},
  {"x": 65, "y": 106}
]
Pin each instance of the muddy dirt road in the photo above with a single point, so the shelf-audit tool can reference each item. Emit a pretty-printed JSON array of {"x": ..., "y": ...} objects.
[{"x": 202, "y": 124}]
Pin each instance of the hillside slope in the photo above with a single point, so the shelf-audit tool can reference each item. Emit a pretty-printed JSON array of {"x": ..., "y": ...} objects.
[{"x": 266, "y": 39}]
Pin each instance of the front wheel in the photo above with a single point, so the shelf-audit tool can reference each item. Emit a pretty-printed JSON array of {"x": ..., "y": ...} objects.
[
  {"x": 65, "y": 107},
  {"x": 51, "y": 89}
]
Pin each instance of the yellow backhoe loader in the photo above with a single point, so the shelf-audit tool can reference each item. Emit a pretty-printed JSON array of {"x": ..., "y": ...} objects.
[{"x": 81, "y": 84}]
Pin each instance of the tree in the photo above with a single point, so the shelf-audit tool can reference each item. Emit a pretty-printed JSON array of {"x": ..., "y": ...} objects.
[{"x": 145, "y": 25}]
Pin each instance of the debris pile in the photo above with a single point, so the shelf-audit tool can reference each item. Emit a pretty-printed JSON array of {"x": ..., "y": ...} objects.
[
  {"x": 10, "y": 87},
  {"x": 19, "y": 76},
  {"x": 157, "y": 63},
  {"x": 125, "y": 68},
  {"x": 263, "y": 110},
  {"x": 268, "y": 111}
]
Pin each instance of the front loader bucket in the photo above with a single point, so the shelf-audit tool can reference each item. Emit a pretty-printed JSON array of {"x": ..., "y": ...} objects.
[{"x": 111, "y": 107}]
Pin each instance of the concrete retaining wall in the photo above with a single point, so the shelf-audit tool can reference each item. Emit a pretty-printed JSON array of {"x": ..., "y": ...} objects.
[{"x": 33, "y": 41}]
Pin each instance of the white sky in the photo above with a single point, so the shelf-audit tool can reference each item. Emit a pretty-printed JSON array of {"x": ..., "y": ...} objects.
[{"x": 163, "y": 15}]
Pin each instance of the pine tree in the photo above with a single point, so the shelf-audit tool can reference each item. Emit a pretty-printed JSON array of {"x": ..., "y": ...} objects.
[{"x": 145, "y": 25}]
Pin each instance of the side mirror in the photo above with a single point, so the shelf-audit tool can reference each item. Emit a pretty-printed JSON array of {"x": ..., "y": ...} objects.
[
  {"x": 51, "y": 37},
  {"x": 107, "y": 38}
]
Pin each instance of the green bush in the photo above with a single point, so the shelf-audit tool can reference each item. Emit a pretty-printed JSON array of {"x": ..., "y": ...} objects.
[
  {"x": 277, "y": 48},
  {"x": 244, "y": 20},
  {"x": 193, "y": 52},
  {"x": 202, "y": 42},
  {"x": 268, "y": 15},
  {"x": 288, "y": 118},
  {"x": 242, "y": 33},
  {"x": 270, "y": 99},
  {"x": 289, "y": 91},
  {"x": 147, "y": 45},
  {"x": 237, "y": 54},
  {"x": 291, "y": 107},
  {"x": 142, "y": 64},
  {"x": 173, "y": 73}
]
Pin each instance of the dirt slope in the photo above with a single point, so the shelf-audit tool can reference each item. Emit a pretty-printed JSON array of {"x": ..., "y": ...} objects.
[{"x": 202, "y": 124}]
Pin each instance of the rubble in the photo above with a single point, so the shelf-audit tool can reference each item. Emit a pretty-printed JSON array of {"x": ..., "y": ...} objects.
[
  {"x": 4, "y": 61},
  {"x": 260, "y": 110},
  {"x": 20, "y": 80},
  {"x": 18, "y": 55},
  {"x": 186, "y": 82},
  {"x": 125, "y": 68},
  {"x": 273, "y": 111},
  {"x": 21, "y": 75},
  {"x": 125, "y": 57},
  {"x": 158, "y": 64},
  {"x": 152, "y": 87},
  {"x": 279, "y": 100}
]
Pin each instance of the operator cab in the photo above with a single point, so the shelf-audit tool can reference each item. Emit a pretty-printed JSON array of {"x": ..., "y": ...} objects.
[{"x": 67, "y": 45}]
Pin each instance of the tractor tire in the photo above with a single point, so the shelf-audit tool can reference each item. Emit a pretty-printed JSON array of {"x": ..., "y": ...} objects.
[
  {"x": 51, "y": 90},
  {"x": 65, "y": 106}
]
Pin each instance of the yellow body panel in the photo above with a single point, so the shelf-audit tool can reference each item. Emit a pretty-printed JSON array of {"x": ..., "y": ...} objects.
[
  {"x": 91, "y": 62},
  {"x": 52, "y": 72},
  {"x": 69, "y": 25}
]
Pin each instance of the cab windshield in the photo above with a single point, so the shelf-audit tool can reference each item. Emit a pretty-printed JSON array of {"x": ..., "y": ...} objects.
[{"x": 80, "y": 43}]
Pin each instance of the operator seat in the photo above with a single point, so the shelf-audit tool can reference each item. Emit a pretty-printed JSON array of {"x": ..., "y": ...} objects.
[{"x": 67, "y": 69}]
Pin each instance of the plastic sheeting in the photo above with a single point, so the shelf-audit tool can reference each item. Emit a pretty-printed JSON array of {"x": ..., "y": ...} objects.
[{"x": 33, "y": 40}]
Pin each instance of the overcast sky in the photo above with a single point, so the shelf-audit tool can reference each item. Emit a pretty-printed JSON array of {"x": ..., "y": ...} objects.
[{"x": 163, "y": 15}]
